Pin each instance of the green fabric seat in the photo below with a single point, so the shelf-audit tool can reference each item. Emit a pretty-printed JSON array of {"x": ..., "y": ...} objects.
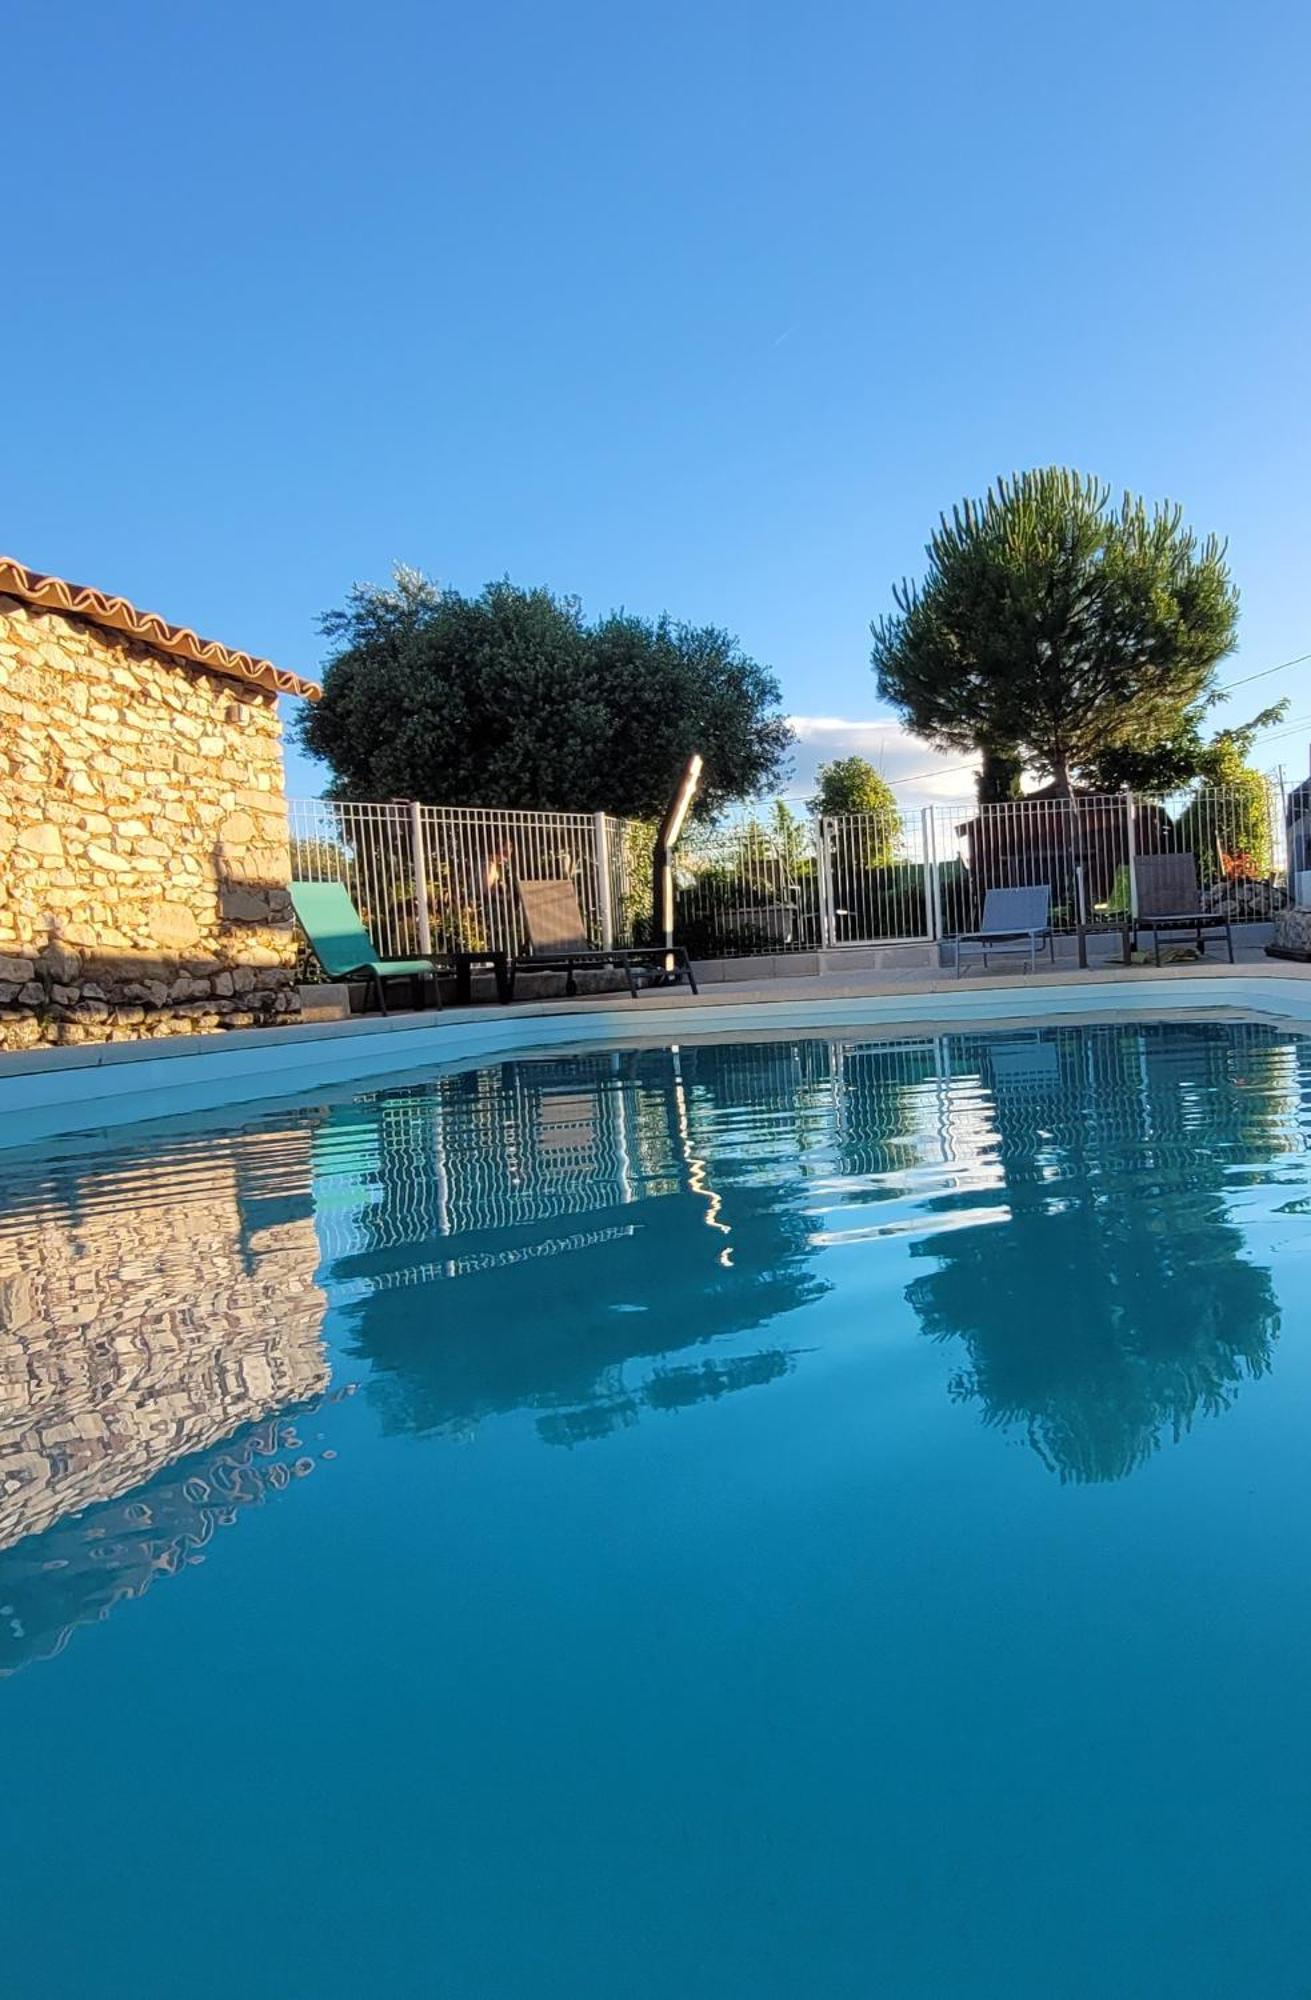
[{"x": 341, "y": 944}]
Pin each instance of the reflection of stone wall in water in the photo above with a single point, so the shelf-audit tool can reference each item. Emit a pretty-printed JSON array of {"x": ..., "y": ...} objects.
[
  {"x": 147, "y": 1315},
  {"x": 86, "y": 1564}
]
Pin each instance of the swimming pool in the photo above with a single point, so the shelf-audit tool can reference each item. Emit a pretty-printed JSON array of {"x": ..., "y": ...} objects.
[{"x": 808, "y": 1516}]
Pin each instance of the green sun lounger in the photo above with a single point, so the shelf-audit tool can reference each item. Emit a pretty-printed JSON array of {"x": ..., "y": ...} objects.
[{"x": 344, "y": 948}]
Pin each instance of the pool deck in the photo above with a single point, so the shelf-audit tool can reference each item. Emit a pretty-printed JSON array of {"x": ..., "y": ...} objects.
[{"x": 52, "y": 1092}]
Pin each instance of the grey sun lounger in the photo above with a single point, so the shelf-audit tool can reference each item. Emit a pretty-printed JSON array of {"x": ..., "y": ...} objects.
[
  {"x": 558, "y": 940},
  {"x": 344, "y": 948},
  {"x": 1170, "y": 900},
  {"x": 1016, "y": 922}
]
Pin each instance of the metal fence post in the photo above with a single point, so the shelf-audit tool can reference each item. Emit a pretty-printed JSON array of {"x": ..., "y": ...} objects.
[
  {"x": 932, "y": 885},
  {"x": 1278, "y": 810},
  {"x": 419, "y": 865},
  {"x": 604, "y": 887},
  {"x": 825, "y": 872}
]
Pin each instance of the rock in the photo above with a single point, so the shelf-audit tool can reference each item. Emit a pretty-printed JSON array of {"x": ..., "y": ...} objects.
[
  {"x": 245, "y": 906},
  {"x": 41, "y": 839},
  {"x": 174, "y": 926},
  {"x": 59, "y": 960}
]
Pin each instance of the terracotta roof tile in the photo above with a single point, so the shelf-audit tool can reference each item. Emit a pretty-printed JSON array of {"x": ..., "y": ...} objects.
[{"x": 80, "y": 601}]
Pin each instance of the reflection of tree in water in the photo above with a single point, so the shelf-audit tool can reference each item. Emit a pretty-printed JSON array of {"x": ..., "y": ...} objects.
[
  {"x": 595, "y": 1167},
  {"x": 1115, "y": 1305}
]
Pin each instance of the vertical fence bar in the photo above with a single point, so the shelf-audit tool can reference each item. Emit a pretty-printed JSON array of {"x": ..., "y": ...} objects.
[
  {"x": 419, "y": 864},
  {"x": 932, "y": 886},
  {"x": 601, "y": 853},
  {"x": 824, "y": 874}
]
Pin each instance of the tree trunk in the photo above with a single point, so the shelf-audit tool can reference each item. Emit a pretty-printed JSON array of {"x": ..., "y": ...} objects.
[{"x": 999, "y": 778}]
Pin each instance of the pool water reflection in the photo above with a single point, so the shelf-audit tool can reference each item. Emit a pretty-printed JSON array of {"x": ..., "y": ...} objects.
[{"x": 782, "y": 1516}]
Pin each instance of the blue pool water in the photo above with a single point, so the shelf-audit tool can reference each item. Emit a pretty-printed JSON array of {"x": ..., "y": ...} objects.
[{"x": 792, "y": 1518}]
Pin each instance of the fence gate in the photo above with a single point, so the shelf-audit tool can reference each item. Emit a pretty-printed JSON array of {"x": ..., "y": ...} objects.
[{"x": 877, "y": 881}]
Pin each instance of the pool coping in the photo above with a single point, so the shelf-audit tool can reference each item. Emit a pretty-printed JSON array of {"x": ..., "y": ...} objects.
[{"x": 55, "y": 1092}]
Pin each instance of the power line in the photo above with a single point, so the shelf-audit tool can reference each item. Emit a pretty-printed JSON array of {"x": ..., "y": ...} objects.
[
  {"x": 1264, "y": 674},
  {"x": 1277, "y": 735},
  {"x": 949, "y": 771}
]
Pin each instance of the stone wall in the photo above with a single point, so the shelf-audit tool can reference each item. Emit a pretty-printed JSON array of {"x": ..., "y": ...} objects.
[{"x": 143, "y": 840}]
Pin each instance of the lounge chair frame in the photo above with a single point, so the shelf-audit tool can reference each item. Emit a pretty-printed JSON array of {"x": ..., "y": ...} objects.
[
  {"x": 1169, "y": 901},
  {"x": 1016, "y": 922},
  {"x": 558, "y": 941}
]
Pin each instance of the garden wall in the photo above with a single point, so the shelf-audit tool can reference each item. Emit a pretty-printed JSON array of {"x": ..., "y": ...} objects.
[{"x": 143, "y": 840}]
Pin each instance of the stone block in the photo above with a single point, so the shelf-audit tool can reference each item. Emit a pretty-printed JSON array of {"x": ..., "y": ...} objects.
[
  {"x": 59, "y": 960},
  {"x": 174, "y": 926},
  {"x": 42, "y": 838},
  {"x": 241, "y": 905}
]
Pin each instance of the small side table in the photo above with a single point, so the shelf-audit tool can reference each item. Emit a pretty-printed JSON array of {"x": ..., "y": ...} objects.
[
  {"x": 1084, "y": 931},
  {"x": 465, "y": 961}
]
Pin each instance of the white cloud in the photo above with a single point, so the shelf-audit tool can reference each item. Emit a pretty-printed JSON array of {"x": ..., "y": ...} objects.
[{"x": 893, "y": 752}]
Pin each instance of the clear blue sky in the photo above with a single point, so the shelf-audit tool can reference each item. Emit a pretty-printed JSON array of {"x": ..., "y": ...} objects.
[{"x": 704, "y": 308}]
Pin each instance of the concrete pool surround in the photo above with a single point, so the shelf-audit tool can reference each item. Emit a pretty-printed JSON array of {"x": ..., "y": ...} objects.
[{"x": 50, "y": 1092}]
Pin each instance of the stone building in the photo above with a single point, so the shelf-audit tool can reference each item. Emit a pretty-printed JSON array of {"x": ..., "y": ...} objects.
[{"x": 143, "y": 834}]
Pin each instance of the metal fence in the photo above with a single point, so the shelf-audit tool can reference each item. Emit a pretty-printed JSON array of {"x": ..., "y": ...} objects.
[
  {"x": 436, "y": 879},
  {"x": 748, "y": 888},
  {"x": 431, "y": 879},
  {"x": 1083, "y": 849}
]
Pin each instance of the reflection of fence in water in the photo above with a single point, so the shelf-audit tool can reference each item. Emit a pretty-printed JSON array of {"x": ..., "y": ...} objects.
[{"x": 487, "y": 1150}]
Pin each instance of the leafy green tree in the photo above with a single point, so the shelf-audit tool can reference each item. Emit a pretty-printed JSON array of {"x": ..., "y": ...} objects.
[
  {"x": 1161, "y": 768},
  {"x": 1056, "y": 625},
  {"x": 852, "y": 785},
  {"x": 514, "y": 699},
  {"x": 1231, "y": 809}
]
